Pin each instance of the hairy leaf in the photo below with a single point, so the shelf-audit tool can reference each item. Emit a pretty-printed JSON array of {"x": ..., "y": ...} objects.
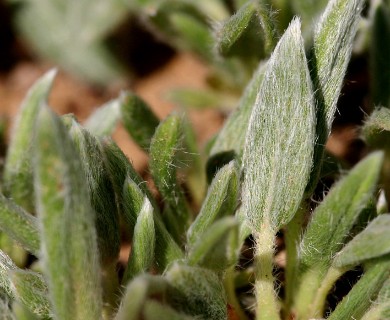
[
  {"x": 165, "y": 144},
  {"x": 364, "y": 292},
  {"x": 218, "y": 247},
  {"x": 278, "y": 152},
  {"x": 221, "y": 200},
  {"x": 18, "y": 181},
  {"x": 201, "y": 292},
  {"x": 19, "y": 225},
  {"x": 338, "y": 212},
  {"x": 232, "y": 135},
  {"x": 372, "y": 242},
  {"x": 138, "y": 119},
  {"x": 101, "y": 191},
  {"x": 166, "y": 249},
  {"x": 143, "y": 244},
  {"x": 69, "y": 244},
  {"x": 333, "y": 38},
  {"x": 31, "y": 291},
  {"x": 103, "y": 120}
]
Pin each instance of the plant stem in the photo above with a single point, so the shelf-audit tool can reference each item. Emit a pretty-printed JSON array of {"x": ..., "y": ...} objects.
[
  {"x": 292, "y": 240},
  {"x": 318, "y": 305},
  {"x": 229, "y": 284},
  {"x": 267, "y": 307}
]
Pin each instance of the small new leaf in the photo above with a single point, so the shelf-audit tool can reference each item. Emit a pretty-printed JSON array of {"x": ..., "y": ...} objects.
[
  {"x": 143, "y": 244},
  {"x": 220, "y": 201},
  {"x": 138, "y": 119}
]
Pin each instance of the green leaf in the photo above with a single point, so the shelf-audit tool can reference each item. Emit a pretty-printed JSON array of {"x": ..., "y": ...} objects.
[
  {"x": 154, "y": 310},
  {"x": 137, "y": 292},
  {"x": 376, "y": 130},
  {"x": 338, "y": 212},
  {"x": 380, "y": 308},
  {"x": 166, "y": 249},
  {"x": 228, "y": 32},
  {"x": 19, "y": 225},
  {"x": 6, "y": 264},
  {"x": 333, "y": 40},
  {"x": 103, "y": 120},
  {"x": 372, "y": 242},
  {"x": 31, "y": 291},
  {"x": 194, "y": 34},
  {"x": 68, "y": 237},
  {"x": 379, "y": 53},
  {"x": 101, "y": 191},
  {"x": 364, "y": 292},
  {"x": 278, "y": 152},
  {"x": 119, "y": 167},
  {"x": 201, "y": 292},
  {"x": 232, "y": 135},
  {"x": 164, "y": 146},
  {"x": 143, "y": 244},
  {"x": 218, "y": 247},
  {"x": 5, "y": 310},
  {"x": 138, "y": 119},
  {"x": 221, "y": 200},
  {"x": 18, "y": 181}
]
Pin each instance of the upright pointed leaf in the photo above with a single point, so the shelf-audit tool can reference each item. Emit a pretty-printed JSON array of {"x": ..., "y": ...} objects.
[
  {"x": 229, "y": 32},
  {"x": 138, "y": 119},
  {"x": 143, "y": 244},
  {"x": 280, "y": 140},
  {"x": 18, "y": 181},
  {"x": 338, "y": 212},
  {"x": 101, "y": 191},
  {"x": 69, "y": 244},
  {"x": 165, "y": 144},
  {"x": 221, "y": 200},
  {"x": 166, "y": 249},
  {"x": 333, "y": 39},
  {"x": 372, "y": 242},
  {"x": 103, "y": 120},
  {"x": 19, "y": 225}
]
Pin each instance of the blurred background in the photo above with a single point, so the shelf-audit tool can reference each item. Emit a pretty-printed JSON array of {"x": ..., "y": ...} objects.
[{"x": 167, "y": 52}]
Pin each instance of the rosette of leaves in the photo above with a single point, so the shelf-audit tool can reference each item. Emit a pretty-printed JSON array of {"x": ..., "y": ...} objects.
[{"x": 70, "y": 192}]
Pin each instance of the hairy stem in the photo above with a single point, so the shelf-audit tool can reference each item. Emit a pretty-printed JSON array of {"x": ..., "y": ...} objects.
[
  {"x": 267, "y": 305},
  {"x": 292, "y": 240},
  {"x": 229, "y": 284},
  {"x": 318, "y": 305}
]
